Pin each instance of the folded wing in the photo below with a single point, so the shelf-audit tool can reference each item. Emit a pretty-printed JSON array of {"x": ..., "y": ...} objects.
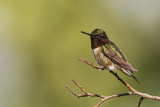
[{"x": 113, "y": 53}]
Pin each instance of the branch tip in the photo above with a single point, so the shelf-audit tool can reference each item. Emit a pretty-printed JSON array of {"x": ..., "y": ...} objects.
[{"x": 140, "y": 101}]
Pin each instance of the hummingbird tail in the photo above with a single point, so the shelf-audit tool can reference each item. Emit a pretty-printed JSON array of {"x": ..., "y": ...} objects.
[
  {"x": 125, "y": 72},
  {"x": 129, "y": 73},
  {"x": 135, "y": 79}
]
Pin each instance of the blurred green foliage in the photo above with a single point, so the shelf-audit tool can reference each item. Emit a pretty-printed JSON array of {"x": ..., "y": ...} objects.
[{"x": 40, "y": 43}]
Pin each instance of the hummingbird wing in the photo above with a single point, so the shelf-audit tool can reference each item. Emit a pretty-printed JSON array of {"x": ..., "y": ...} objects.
[{"x": 113, "y": 53}]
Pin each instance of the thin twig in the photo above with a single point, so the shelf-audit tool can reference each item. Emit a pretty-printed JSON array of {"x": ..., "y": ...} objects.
[
  {"x": 85, "y": 92},
  {"x": 94, "y": 66},
  {"x": 113, "y": 96},
  {"x": 104, "y": 98},
  {"x": 140, "y": 101}
]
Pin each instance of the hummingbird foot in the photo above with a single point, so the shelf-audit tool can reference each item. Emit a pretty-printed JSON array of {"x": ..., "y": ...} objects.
[{"x": 101, "y": 68}]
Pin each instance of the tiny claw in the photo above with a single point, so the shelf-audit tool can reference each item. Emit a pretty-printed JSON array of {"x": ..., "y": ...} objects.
[{"x": 102, "y": 67}]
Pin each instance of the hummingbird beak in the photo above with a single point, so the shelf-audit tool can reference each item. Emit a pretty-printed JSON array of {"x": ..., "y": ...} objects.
[{"x": 86, "y": 33}]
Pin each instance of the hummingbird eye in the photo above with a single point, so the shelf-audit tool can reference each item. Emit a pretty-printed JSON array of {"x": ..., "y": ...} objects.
[{"x": 101, "y": 35}]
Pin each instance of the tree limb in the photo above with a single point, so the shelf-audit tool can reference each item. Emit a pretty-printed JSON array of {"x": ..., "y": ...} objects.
[{"x": 104, "y": 98}]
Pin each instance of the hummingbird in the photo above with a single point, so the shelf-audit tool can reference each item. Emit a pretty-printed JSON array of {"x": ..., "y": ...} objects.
[{"x": 108, "y": 55}]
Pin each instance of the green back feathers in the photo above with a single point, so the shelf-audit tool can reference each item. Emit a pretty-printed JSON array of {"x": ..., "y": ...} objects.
[{"x": 111, "y": 47}]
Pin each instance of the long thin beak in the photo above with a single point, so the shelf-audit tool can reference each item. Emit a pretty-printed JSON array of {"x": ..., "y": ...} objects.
[{"x": 86, "y": 33}]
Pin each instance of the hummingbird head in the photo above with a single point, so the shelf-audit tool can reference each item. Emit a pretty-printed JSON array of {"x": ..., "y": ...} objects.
[{"x": 97, "y": 33}]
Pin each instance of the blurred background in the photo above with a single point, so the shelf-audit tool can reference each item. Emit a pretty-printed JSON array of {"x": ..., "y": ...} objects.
[{"x": 40, "y": 43}]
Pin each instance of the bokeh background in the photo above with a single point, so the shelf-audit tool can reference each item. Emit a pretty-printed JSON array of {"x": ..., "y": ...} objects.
[{"x": 40, "y": 43}]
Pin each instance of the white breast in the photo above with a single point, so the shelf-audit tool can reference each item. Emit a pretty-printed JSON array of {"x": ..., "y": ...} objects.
[
  {"x": 96, "y": 50},
  {"x": 112, "y": 67},
  {"x": 99, "y": 56}
]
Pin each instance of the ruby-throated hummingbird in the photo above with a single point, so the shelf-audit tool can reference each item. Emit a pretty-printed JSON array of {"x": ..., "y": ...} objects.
[{"x": 108, "y": 55}]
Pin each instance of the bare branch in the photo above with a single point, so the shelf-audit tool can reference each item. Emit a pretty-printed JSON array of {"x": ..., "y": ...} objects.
[
  {"x": 85, "y": 92},
  {"x": 113, "y": 96},
  {"x": 104, "y": 98},
  {"x": 134, "y": 91}
]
